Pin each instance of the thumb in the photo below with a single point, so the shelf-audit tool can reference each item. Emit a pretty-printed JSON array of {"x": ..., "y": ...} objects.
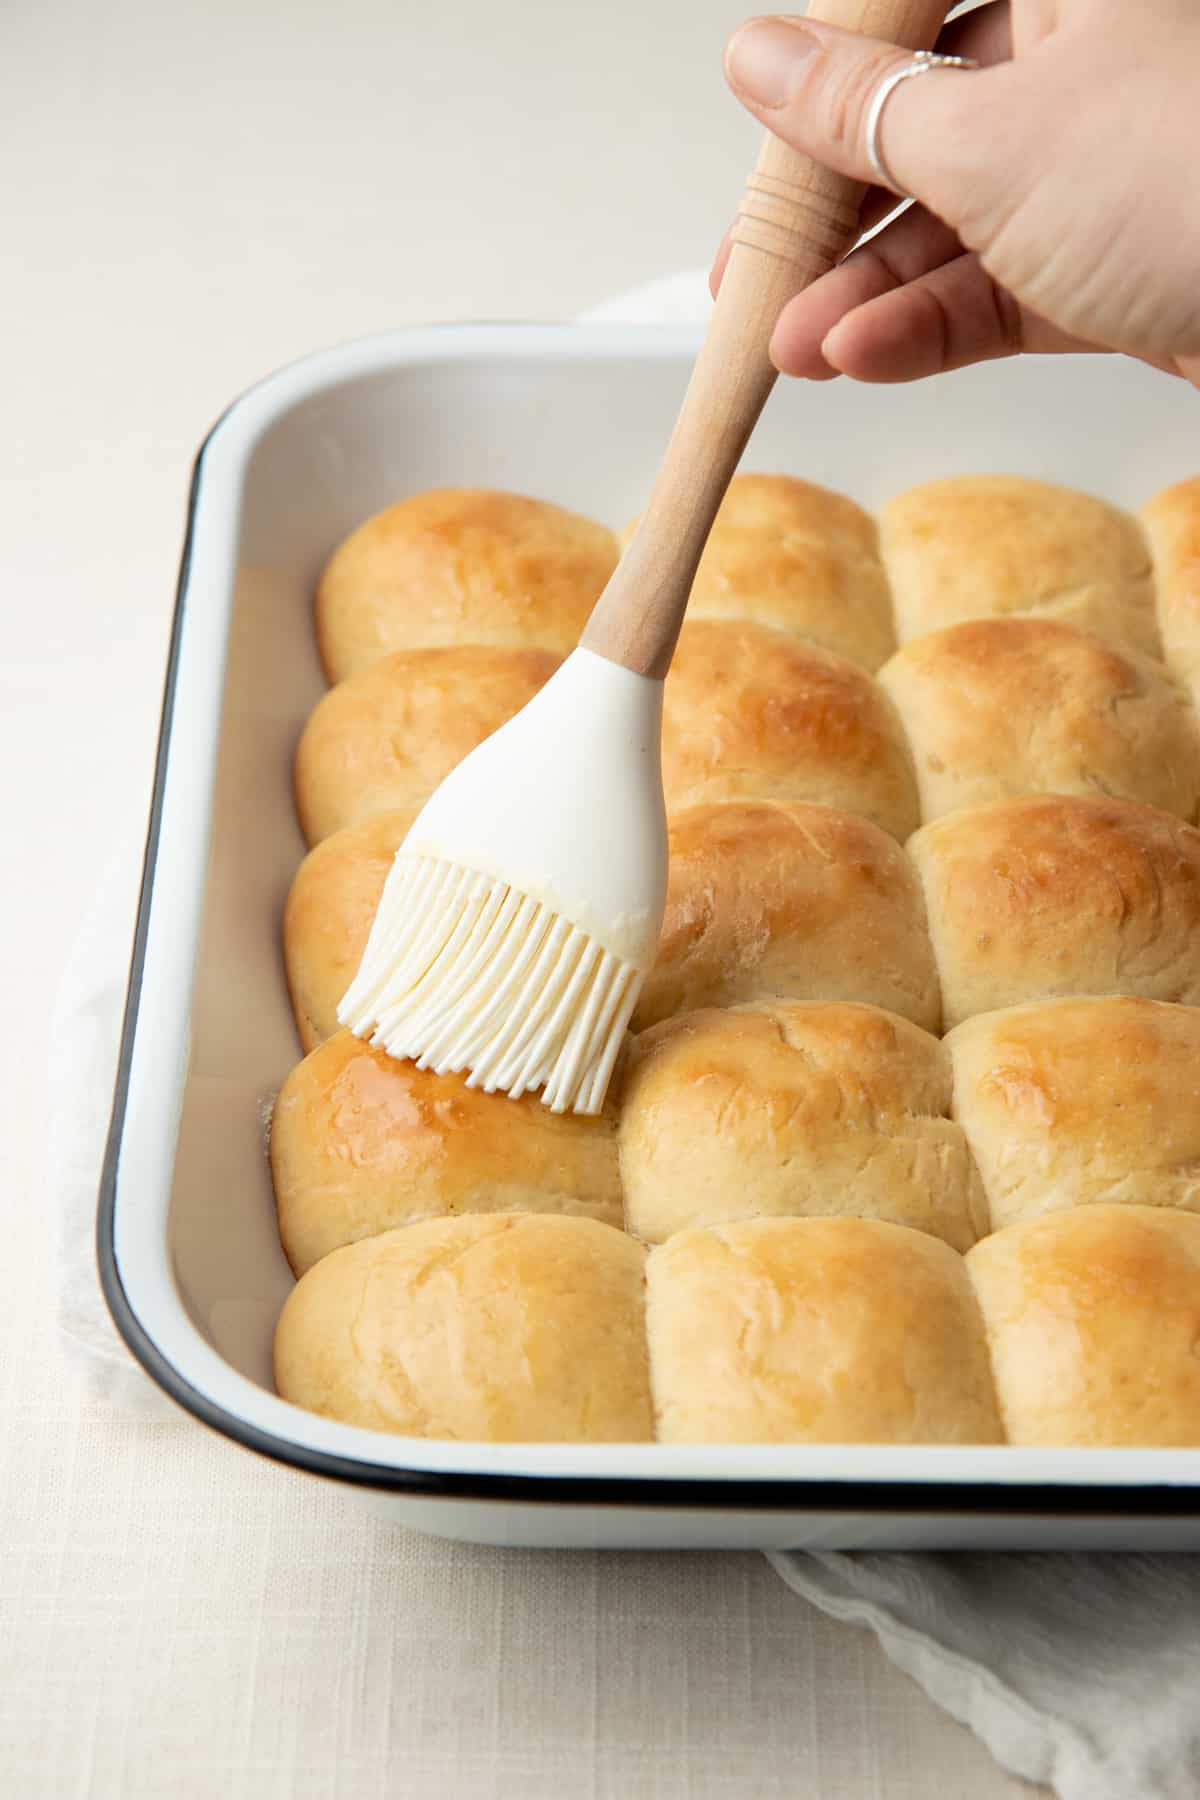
[{"x": 812, "y": 85}]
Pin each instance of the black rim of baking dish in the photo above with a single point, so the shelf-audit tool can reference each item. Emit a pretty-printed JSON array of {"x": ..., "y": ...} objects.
[{"x": 685, "y": 1494}]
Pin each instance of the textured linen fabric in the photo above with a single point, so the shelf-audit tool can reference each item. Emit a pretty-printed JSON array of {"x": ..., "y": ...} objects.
[{"x": 180, "y": 1619}]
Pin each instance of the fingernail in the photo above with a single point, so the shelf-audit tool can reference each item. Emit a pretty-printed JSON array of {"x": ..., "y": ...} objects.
[
  {"x": 829, "y": 344},
  {"x": 764, "y": 59}
]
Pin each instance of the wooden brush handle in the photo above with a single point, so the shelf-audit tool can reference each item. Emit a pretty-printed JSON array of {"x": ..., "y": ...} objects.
[{"x": 796, "y": 219}]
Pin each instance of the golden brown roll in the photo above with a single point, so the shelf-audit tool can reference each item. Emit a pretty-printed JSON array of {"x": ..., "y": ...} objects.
[
  {"x": 507, "y": 1329},
  {"x": 813, "y": 1109},
  {"x": 834, "y": 1331},
  {"x": 800, "y": 558},
  {"x": 1093, "y": 1318},
  {"x": 1055, "y": 895},
  {"x": 769, "y": 902},
  {"x": 361, "y": 1143},
  {"x": 1172, "y": 524},
  {"x": 328, "y": 916},
  {"x": 750, "y": 713},
  {"x": 1072, "y": 1102},
  {"x": 383, "y": 739},
  {"x": 999, "y": 707},
  {"x": 979, "y": 546},
  {"x": 461, "y": 566}
]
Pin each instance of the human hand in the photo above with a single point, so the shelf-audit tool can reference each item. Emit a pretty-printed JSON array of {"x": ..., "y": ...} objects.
[{"x": 1057, "y": 198}]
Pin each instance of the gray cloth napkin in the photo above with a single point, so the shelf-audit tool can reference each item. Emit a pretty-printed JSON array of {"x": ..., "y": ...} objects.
[{"x": 1082, "y": 1672}]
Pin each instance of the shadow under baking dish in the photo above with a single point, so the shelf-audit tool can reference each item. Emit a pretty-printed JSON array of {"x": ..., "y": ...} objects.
[{"x": 189, "y": 1257}]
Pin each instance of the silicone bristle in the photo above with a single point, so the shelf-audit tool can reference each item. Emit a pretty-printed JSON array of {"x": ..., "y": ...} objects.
[{"x": 462, "y": 972}]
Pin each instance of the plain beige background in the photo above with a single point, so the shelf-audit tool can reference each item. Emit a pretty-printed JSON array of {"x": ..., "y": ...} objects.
[{"x": 190, "y": 195}]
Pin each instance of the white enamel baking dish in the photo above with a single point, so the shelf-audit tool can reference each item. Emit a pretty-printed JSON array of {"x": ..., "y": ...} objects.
[{"x": 190, "y": 1262}]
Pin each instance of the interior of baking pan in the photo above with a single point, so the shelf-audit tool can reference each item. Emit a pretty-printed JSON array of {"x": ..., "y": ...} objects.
[
  {"x": 558, "y": 429},
  {"x": 576, "y": 415}
]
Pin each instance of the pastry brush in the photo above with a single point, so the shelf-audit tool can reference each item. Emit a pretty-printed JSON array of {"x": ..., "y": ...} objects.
[{"x": 522, "y": 911}]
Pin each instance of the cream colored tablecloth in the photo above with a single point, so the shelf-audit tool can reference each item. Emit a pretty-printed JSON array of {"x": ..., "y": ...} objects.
[{"x": 194, "y": 193}]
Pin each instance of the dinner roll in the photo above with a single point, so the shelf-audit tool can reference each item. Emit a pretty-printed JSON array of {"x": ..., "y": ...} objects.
[
  {"x": 977, "y": 546},
  {"x": 769, "y": 902},
  {"x": 1052, "y": 894},
  {"x": 818, "y": 1108},
  {"x": 800, "y": 558},
  {"x": 1093, "y": 1318},
  {"x": 385, "y": 738},
  {"x": 1172, "y": 525},
  {"x": 461, "y": 566},
  {"x": 1069, "y": 1102},
  {"x": 751, "y": 713},
  {"x": 999, "y": 707},
  {"x": 361, "y": 1142},
  {"x": 328, "y": 917},
  {"x": 507, "y": 1329},
  {"x": 835, "y": 1331}
]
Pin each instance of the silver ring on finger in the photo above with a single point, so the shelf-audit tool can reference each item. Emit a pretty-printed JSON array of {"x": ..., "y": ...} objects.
[{"x": 922, "y": 62}]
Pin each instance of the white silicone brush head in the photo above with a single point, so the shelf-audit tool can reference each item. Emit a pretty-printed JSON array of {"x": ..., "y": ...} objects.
[{"x": 523, "y": 909}]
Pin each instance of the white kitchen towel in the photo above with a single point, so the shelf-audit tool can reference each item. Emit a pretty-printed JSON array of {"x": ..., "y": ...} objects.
[
  {"x": 681, "y": 299},
  {"x": 85, "y": 1035},
  {"x": 1082, "y": 1672}
]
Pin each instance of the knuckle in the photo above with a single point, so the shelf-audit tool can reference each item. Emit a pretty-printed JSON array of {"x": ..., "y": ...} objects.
[
  {"x": 850, "y": 85},
  {"x": 979, "y": 174},
  {"x": 940, "y": 140}
]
